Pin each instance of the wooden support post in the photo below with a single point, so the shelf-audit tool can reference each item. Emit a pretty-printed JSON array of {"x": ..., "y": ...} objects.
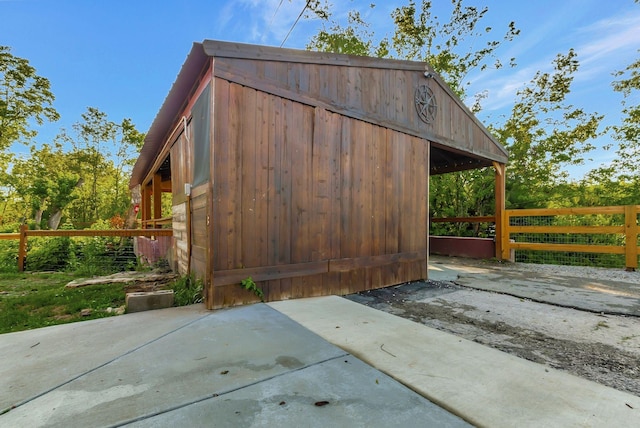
[
  {"x": 631, "y": 237},
  {"x": 22, "y": 249},
  {"x": 157, "y": 196},
  {"x": 502, "y": 237},
  {"x": 146, "y": 205}
]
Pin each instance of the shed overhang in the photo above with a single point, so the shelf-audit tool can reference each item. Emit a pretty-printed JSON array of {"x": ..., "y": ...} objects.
[{"x": 165, "y": 120}]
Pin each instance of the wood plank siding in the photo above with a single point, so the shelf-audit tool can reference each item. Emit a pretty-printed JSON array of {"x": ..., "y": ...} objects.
[
  {"x": 381, "y": 96},
  {"x": 307, "y": 200},
  {"x": 308, "y": 171}
]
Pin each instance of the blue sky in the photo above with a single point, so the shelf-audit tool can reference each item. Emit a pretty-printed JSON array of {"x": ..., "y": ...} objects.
[{"x": 122, "y": 56}]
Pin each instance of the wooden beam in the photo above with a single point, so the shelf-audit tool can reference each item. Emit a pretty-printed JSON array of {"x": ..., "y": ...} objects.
[
  {"x": 478, "y": 219},
  {"x": 349, "y": 264},
  {"x": 502, "y": 230},
  {"x": 22, "y": 249},
  {"x": 146, "y": 203},
  {"x": 166, "y": 186},
  {"x": 157, "y": 195},
  {"x": 532, "y": 212},
  {"x": 269, "y": 273},
  {"x": 631, "y": 237},
  {"x": 604, "y": 249},
  {"x": 604, "y": 230},
  {"x": 108, "y": 232}
]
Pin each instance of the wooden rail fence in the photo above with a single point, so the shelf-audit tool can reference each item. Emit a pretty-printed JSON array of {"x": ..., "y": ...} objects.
[
  {"x": 25, "y": 233},
  {"x": 628, "y": 230}
]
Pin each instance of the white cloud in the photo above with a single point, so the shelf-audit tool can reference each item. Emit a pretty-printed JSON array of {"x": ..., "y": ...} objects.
[
  {"x": 612, "y": 43},
  {"x": 606, "y": 45},
  {"x": 267, "y": 22}
]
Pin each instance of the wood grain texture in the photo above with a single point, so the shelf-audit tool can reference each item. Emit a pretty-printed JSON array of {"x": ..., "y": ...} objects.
[
  {"x": 381, "y": 96},
  {"x": 298, "y": 187}
]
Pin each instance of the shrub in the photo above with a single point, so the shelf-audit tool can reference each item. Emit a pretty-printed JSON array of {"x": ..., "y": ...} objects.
[
  {"x": 48, "y": 253},
  {"x": 9, "y": 256},
  {"x": 187, "y": 290}
]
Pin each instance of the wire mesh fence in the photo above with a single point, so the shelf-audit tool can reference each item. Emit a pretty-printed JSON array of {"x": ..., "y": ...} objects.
[
  {"x": 593, "y": 236},
  {"x": 586, "y": 237},
  {"x": 92, "y": 253},
  {"x": 88, "y": 256}
]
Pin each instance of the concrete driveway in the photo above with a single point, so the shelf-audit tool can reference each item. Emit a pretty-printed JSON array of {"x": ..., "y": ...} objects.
[
  {"x": 240, "y": 367},
  {"x": 557, "y": 286},
  {"x": 309, "y": 362}
]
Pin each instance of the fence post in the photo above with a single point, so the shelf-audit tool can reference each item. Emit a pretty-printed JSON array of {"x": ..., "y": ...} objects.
[
  {"x": 499, "y": 193},
  {"x": 506, "y": 237},
  {"x": 631, "y": 237},
  {"x": 22, "y": 249}
]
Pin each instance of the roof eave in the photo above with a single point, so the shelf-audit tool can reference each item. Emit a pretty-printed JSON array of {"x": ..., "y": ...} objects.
[{"x": 171, "y": 107}]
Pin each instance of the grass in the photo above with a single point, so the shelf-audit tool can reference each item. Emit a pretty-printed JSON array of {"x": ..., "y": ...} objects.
[{"x": 34, "y": 300}]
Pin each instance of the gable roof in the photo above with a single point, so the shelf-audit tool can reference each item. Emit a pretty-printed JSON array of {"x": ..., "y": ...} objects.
[{"x": 448, "y": 154}]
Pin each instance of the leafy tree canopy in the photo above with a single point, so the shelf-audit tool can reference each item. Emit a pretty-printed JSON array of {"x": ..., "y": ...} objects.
[
  {"x": 24, "y": 95},
  {"x": 453, "y": 48}
]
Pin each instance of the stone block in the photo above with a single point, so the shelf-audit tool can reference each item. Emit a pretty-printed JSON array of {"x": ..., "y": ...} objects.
[{"x": 146, "y": 301}]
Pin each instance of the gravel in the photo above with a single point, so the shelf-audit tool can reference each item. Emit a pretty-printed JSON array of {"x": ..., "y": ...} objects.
[
  {"x": 603, "y": 274},
  {"x": 600, "y": 347}
]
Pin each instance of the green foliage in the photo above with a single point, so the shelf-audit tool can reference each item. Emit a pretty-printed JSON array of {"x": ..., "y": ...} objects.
[
  {"x": 88, "y": 183},
  {"x": 462, "y": 194},
  {"x": 45, "y": 183},
  {"x": 543, "y": 134},
  {"x": 24, "y": 97},
  {"x": 32, "y": 301},
  {"x": 50, "y": 254},
  {"x": 8, "y": 256},
  {"x": 453, "y": 49},
  {"x": 353, "y": 39},
  {"x": 624, "y": 167},
  {"x": 83, "y": 185},
  {"x": 187, "y": 290},
  {"x": 103, "y": 153},
  {"x": 249, "y": 284},
  {"x": 86, "y": 256}
]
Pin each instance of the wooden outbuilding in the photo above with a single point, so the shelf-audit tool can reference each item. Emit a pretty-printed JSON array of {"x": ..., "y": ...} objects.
[{"x": 306, "y": 171}]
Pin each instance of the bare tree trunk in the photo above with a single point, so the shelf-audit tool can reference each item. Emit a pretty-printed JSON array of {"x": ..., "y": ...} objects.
[
  {"x": 54, "y": 220},
  {"x": 130, "y": 221},
  {"x": 132, "y": 214},
  {"x": 38, "y": 218}
]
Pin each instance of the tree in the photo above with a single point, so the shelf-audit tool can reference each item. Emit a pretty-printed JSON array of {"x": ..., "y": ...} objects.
[
  {"x": 461, "y": 194},
  {"x": 103, "y": 154},
  {"x": 453, "y": 49},
  {"x": 544, "y": 134},
  {"x": 24, "y": 96},
  {"x": 45, "y": 184},
  {"x": 622, "y": 174},
  {"x": 354, "y": 39}
]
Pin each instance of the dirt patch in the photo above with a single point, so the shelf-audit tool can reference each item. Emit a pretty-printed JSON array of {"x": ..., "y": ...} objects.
[
  {"x": 59, "y": 313},
  {"x": 599, "y": 347}
]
